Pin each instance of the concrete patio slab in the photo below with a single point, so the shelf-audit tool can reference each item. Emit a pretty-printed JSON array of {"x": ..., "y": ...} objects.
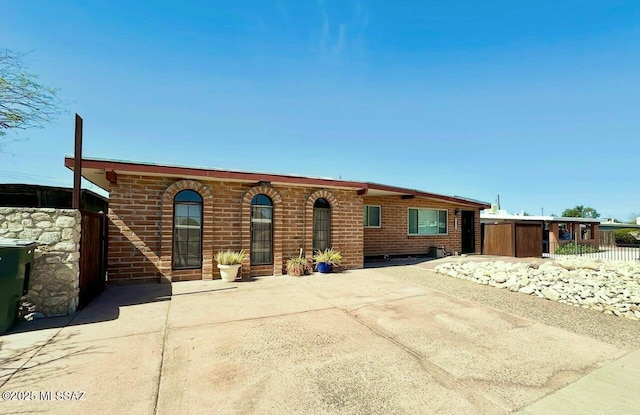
[
  {"x": 365, "y": 341},
  {"x": 116, "y": 375},
  {"x": 196, "y": 303},
  {"x": 612, "y": 389},
  {"x": 509, "y": 359},
  {"x": 18, "y": 348},
  {"x": 357, "y": 288},
  {"x": 313, "y": 363},
  {"x": 122, "y": 312}
]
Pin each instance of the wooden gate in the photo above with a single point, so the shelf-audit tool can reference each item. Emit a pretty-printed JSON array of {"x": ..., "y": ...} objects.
[
  {"x": 528, "y": 240},
  {"x": 93, "y": 256},
  {"x": 512, "y": 239},
  {"x": 498, "y": 239}
]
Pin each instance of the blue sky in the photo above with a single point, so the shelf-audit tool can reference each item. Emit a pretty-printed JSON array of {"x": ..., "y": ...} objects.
[{"x": 535, "y": 101}]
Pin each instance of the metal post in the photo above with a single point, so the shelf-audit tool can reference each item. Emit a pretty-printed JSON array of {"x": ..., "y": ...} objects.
[{"x": 77, "y": 165}]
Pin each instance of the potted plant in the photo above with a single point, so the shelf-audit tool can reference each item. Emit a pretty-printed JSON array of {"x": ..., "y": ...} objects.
[
  {"x": 229, "y": 262},
  {"x": 327, "y": 259},
  {"x": 298, "y": 266}
]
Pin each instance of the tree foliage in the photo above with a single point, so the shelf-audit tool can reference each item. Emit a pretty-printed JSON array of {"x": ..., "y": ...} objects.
[
  {"x": 581, "y": 212},
  {"x": 24, "y": 101}
]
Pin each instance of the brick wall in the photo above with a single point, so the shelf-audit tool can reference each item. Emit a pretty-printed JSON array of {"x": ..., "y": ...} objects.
[
  {"x": 141, "y": 226},
  {"x": 392, "y": 237},
  {"x": 135, "y": 226}
]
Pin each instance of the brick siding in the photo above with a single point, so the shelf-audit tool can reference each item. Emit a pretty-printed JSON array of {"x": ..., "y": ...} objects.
[
  {"x": 393, "y": 238},
  {"x": 141, "y": 226}
]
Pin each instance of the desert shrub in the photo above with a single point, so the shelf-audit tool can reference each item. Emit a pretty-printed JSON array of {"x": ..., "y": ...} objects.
[
  {"x": 626, "y": 236},
  {"x": 298, "y": 266},
  {"x": 571, "y": 249}
]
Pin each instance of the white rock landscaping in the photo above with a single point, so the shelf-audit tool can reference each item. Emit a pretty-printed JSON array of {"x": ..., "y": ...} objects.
[{"x": 612, "y": 287}]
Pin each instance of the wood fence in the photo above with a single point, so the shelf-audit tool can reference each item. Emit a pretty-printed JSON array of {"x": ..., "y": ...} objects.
[{"x": 93, "y": 256}]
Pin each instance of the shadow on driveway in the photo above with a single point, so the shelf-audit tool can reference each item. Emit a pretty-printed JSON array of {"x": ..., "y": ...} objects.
[{"x": 103, "y": 308}]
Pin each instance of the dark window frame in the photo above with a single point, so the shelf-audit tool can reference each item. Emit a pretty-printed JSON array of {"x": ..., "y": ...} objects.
[
  {"x": 317, "y": 209},
  {"x": 186, "y": 202},
  {"x": 261, "y": 201},
  {"x": 366, "y": 214},
  {"x": 438, "y": 222}
]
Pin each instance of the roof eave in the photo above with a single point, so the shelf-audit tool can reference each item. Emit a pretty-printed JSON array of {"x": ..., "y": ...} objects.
[
  {"x": 211, "y": 174},
  {"x": 400, "y": 191}
]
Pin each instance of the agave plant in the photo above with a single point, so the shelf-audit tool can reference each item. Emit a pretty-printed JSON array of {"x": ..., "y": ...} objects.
[
  {"x": 229, "y": 257},
  {"x": 328, "y": 256}
]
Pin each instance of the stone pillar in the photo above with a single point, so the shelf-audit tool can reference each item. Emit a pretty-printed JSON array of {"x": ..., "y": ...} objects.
[{"x": 54, "y": 283}]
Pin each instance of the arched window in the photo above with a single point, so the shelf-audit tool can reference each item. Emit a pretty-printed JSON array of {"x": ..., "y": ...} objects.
[
  {"x": 321, "y": 224},
  {"x": 187, "y": 230},
  {"x": 261, "y": 230}
]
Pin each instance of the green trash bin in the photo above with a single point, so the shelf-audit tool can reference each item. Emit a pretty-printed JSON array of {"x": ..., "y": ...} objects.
[{"x": 16, "y": 257}]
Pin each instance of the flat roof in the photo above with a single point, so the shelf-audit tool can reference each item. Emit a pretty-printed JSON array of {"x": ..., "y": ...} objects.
[
  {"x": 491, "y": 216},
  {"x": 618, "y": 225},
  {"x": 102, "y": 172},
  {"x": 26, "y": 187}
]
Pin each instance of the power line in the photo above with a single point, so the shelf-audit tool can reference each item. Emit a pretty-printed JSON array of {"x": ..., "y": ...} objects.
[{"x": 17, "y": 175}]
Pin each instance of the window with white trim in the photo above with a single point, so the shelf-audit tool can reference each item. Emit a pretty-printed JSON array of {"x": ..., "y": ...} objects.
[
  {"x": 372, "y": 216},
  {"x": 427, "y": 222}
]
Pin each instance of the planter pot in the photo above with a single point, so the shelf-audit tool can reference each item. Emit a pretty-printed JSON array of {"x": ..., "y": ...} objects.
[
  {"x": 229, "y": 272},
  {"x": 324, "y": 267},
  {"x": 296, "y": 271}
]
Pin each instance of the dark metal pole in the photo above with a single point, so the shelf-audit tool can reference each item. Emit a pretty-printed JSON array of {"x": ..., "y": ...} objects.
[{"x": 77, "y": 165}]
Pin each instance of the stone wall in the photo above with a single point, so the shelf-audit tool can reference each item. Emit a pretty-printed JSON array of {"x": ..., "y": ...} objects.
[{"x": 55, "y": 273}]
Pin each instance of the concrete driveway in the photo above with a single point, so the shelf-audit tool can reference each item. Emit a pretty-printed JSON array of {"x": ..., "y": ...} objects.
[{"x": 385, "y": 340}]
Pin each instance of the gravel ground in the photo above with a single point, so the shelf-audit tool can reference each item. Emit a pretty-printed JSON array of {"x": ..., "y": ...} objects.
[{"x": 617, "y": 331}]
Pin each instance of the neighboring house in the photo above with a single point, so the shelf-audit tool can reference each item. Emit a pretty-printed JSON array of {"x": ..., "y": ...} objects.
[
  {"x": 167, "y": 222},
  {"x": 612, "y": 225},
  {"x": 609, "y": 226},
  {"x": 529, "y": 236},
  {"x": 37, "y": 196}
]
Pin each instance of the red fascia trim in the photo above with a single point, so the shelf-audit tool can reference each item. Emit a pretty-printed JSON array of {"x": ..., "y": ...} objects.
[
  {"x": 387, "y": 188},
  {"x": 412, "y": 192},
  {"x": 229, "y": 175},
  {"x": 214, "y": 174}
]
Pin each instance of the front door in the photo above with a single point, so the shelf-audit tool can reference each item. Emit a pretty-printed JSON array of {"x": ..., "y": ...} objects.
[{"x": 468, "y": 232}]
